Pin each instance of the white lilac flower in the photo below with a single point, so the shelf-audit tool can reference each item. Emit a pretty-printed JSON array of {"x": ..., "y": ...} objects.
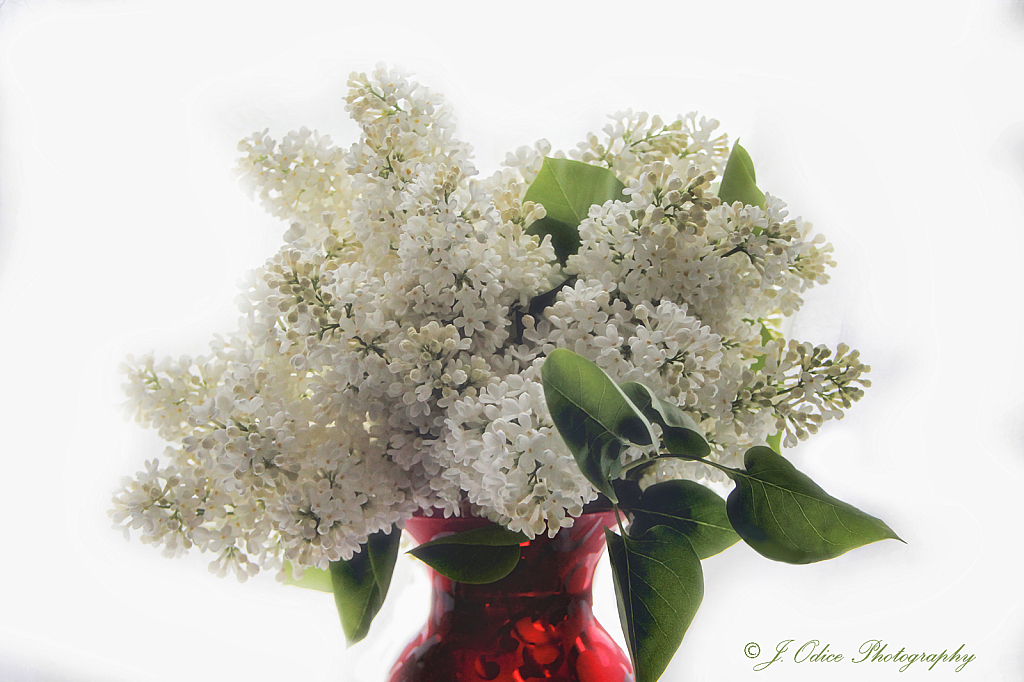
[{"x": 387, "y": 359}]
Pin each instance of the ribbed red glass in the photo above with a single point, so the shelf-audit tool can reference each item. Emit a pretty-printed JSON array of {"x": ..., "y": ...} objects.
[{"x": 537, "y": 623}]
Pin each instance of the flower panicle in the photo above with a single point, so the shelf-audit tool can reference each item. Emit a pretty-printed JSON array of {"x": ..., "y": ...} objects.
[{"x": 387, "y": 359}]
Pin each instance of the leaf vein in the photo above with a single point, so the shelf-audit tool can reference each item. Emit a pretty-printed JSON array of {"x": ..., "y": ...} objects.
[
  {"x": 775, "y": 518},
  {"x": 809, "y": 523}
]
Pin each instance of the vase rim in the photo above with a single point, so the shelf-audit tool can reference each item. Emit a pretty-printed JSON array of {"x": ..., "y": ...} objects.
[{"x": 470, "y": 522}]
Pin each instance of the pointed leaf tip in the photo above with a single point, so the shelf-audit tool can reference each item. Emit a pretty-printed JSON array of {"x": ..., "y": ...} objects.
[
  {"x": 738, "y": 180},
  {"x": 361, "y": 584},
  {"x": 785, "y": 516}
]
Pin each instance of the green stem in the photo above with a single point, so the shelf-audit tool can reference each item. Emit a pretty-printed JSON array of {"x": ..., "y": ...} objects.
[
  {"x": 728, "y": 470},
  {"x": 735, "y": 250},
  {"x": 639, "y": 463},
  {"x": 651, "y": 136},
  {"x": 698, "y": 459},
  {"x": 618, "y": 519}
]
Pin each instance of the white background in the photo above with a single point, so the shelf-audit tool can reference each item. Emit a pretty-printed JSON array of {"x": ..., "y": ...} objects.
[{"x": 896, "y": 127}]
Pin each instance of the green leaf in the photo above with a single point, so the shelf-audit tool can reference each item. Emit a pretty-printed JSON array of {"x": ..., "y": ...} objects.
[
  {"x": 477, "y": 556},
  {"x": 786, "y": 516},
  {"x": 594, "y": 417},
  {"x": 680, "y": 434},
  {"x": 565, "y": 238},
  {"x": 691, "y": 509},
  {"x": 567, "y": 189},
  {"x": 659, "y": 585},
  {"x": 775, "y": 441},
  {"x": 312, "y": 579},
  {"x": 361, "y": 584},
  {"x": 739, "y": 181}
]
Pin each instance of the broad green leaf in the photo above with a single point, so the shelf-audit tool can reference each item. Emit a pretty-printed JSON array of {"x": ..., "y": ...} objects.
[
  {"x": 786, "y": 516},
  {"x": 361, "y": 584},
  {"x": 691, "y": 509},
  {"x": 680, "y": 434},
  {"x": 567, "y": 189},
  {"x": 312, "y": 579},
  {"x": 739, "y": 181},
  {"x": 659, "y": 585},
  {"x": 594, "y": 417},
  {"x": 477, "y": 556},
  {"x": 775, "y": 441}
]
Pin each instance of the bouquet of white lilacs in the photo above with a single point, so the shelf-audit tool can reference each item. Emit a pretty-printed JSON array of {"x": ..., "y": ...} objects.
[{"x": 389, "y": 357}]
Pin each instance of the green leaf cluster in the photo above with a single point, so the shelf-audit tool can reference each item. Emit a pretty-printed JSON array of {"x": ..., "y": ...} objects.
[
  {"x": 656, "y": 564},
  {"x": 593, "y": 415}
]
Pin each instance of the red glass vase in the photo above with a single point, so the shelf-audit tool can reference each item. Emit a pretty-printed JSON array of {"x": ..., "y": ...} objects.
[{"x": 537, "y": 623}]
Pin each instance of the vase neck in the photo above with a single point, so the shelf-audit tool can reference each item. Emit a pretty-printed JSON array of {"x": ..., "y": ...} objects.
[{"x": 535, "y": 623}]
